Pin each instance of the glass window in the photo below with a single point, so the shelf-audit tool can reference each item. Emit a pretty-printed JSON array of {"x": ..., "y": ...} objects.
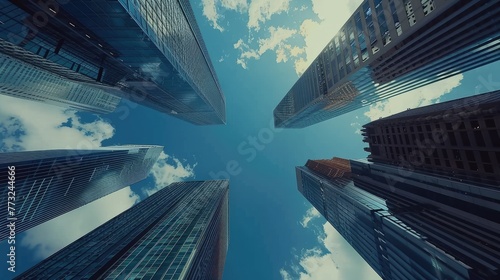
[
  {"x": 488, "y": 168},
  {"x": 479, "y": 138},
  {"x": 475, "y": 124},
  {"x": 465, "y": 138},
  {"x": 470, "y": 155},
  {"x": 495, "y": 139},
  {"x": 410, "y": 13},
  {"x": 485, "y": 156},
  {"x": 427, "y": 6},
  {"x": 361, "y": 37},
  {"x": 395, "y": 17},
  {"x": 490, "y": 123},
  {"x": 453, "y": 140},
  {"x": 371, "y": 29},
  {"x": 384, "y": 31},
  {"x": 473, "y": 166}
]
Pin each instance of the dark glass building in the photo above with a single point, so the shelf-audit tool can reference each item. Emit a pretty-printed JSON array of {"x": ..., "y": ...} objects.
[
  {"x": 148, "y": 51},
  {"x": 459, "y": 139},
  {"x": 408, "y": 225},
  {"x": 389, "y": 47},
  {"x": 50, "y": 183},
  {"x": 180, "y": 232}
]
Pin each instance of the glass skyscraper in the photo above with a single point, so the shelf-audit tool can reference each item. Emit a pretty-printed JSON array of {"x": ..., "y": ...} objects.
[
  {"x": 388, "y": 47},
  {"x": 408, "y": 225},
  {"x": 180, "y": 232},
  {"x": 148, "y": 51},
  {"x": 50, "y": 183},
  {"x": 26, "y": 81}
]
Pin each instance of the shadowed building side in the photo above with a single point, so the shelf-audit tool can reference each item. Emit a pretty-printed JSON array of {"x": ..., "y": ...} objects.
[
  {"x": 408, "y": 225},
  {"x": 458, "y": 139}
]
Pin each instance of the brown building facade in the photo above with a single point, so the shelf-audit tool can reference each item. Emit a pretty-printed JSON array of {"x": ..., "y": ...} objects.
[{"x": 458, "y": 139}]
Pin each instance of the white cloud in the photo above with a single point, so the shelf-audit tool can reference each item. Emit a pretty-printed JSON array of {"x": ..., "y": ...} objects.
[
  {"x": 310, "y": 214},
  {"x": 276, "y": 39},
  {"x": 422, "y": 96},
  {"x": 335, "y": 260},
  {"x": 53, "y": 235},
  {"x": 210, "y": 12},
  {"x": 237, "y": 5},
  {"x": 246, "y": 53},
  {"x": 168, "y": 170},
  {"x": 274, "y": 43},
  {"x": 296, "y": 51},
  {"x": 27, "y": 125},
  {"x": 285, "y": 275},
  {"x": 259, "y": 11},
  {"x": 316, "y": 32},
  {"x": 213, "y": 10},
  {"x": 332, "y": 16}
]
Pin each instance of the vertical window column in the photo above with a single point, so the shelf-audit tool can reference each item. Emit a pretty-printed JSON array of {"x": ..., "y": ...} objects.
[
  {"x": 361, "y": 36},
  {"x": 368, "y": 11}
]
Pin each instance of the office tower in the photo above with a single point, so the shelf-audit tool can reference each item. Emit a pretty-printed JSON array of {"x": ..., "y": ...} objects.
[
  {"x": 50, "y": 183},
  {"x": 26, "y": 81},
  {"x": 150, "y": 52},
  {"x": 408, "y": 225},
  {"x": 180, "y": 232},
  {"x": 458, "y": 139},
  {"x": 388, "y": 47}
]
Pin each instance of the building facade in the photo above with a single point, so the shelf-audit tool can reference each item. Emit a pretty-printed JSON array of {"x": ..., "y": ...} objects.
[
  {"x": 408, "y": 225},
  {"x": 459, "y": 139},
  {"x": 26, "y": 81},
  {"x": 180, "y": 232},
  {"x": 150, "y": 52},
  {"x": 50, "y": 183},
  {"x": 388, "y": 47}
]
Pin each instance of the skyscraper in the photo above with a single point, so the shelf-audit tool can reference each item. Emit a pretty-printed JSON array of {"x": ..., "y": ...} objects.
[
  {"x": 388, "y": 47},
  {"x": 26, "y": 81},
  {"x": 458, "y": 139},
  {"x": 180, "y": 232},
  {"x": 408, "y": 225},
  {"x": 50, "y": 183},
  {"x": 148, "y": 51}
]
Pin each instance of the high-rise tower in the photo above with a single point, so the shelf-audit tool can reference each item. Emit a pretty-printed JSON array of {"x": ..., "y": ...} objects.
[
  {"x": 27, "y": 81},
  {"x": 180, "y": 232},
  {"x": 388, "y": 47},
  {"x": 458, "y": 139},
  {"x": 408, "y": 225},
  {"x": 50, "y": 183},
  {"x": 148, "y": 51}
]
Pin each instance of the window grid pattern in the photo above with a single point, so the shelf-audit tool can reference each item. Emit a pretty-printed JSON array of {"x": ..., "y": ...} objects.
[
  {"x": 455, "y": 37},
  {"x": 152, "y": 50},
  {"x": 54, "y": 182},
  {"x": 458, "y": 139},
  {"x": 180, "y": 232},
  {"x": 397, "y": 223},
  {"x": 21, "y": 80}
]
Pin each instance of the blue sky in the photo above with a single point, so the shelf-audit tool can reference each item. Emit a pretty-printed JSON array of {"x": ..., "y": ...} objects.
[{"x": 258, "y": 47}]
